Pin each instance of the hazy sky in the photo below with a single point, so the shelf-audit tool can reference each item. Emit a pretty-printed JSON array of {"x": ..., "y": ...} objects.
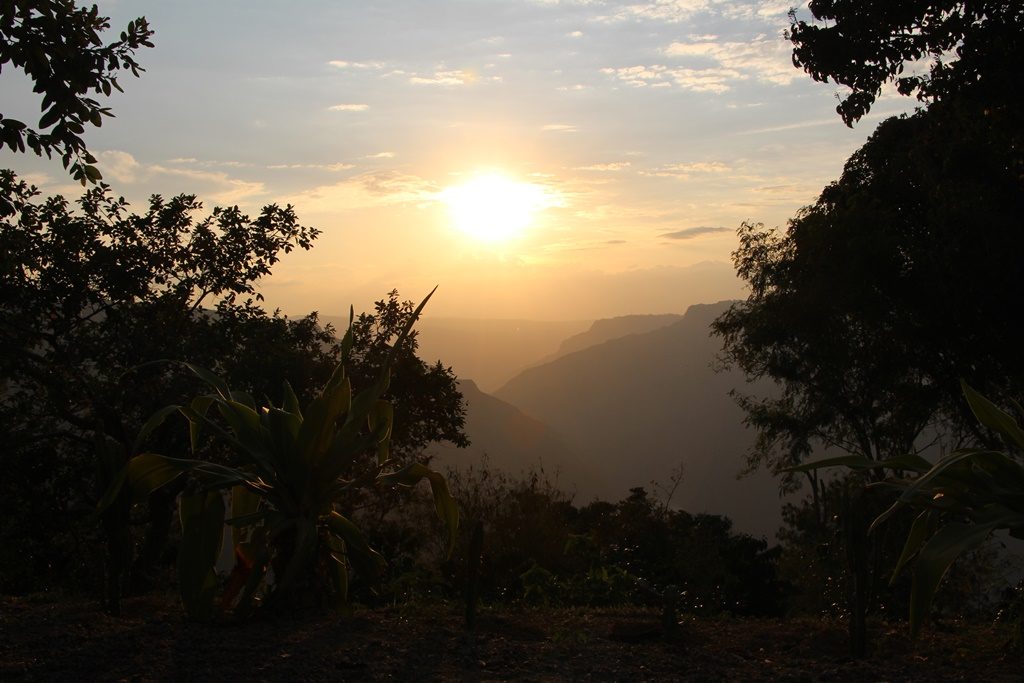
[{"x": 640, "y": 136}]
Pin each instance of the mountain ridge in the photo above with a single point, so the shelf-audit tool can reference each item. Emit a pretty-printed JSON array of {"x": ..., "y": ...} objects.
[{"x": 640, "y": 405}]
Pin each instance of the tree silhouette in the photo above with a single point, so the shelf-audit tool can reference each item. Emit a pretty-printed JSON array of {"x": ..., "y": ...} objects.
[
  {"x": 58, "y": 46},
  {"x": 972, "y": 45},
  {"x": 876, "y": 299}
]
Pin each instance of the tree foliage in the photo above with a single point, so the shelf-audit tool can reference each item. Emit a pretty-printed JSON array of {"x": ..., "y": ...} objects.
[
  {"x": 866, "y": 311},
  {"x": 91, "y": 295},
  {"x": 298, "y": 466},
  {"x": 974, "y": 47},
  {"x": 428, "y": 404},
  {"x": 59, "y": 47}
]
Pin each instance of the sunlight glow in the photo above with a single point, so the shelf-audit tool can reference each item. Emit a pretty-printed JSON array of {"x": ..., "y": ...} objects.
[{"x": 493, "y": 208}]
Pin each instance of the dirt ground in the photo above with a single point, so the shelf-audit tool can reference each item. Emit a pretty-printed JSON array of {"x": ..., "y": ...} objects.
[{"x": 71, "y": 640}]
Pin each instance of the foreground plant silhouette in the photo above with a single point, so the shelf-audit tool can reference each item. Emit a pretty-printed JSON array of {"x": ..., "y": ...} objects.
[
  {"x": 297, "y": 466},
  {"x": 963, "y": 498}
]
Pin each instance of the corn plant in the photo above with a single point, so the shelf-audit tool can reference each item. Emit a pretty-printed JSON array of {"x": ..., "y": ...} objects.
[
  {"x": 297, "y": 466},
  {"x": 963, "y": 498}
]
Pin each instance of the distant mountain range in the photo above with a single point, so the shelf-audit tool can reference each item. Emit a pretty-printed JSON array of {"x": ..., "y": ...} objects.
[
  {"x": 490, "y": 352},
  {"x": 637, "y": 406},
  {"x": 515, "y": 443},
  {"x": 621, "y": 405},
  {"x": 612, "y": 328},
  {"x": 487, "y": 351}
]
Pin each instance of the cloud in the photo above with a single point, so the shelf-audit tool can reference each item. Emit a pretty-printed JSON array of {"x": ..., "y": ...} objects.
[
  {"x": 371, "y": 189},
  {"x": 559, "y": 128},
  {"x": 120, "y": 166},
  {"x": 215, "y": 185},
  {"x": 349, "y": 107},
  {"x": 691, "y": 233},
  {"x": 456, "y": 77},
  {"x": 778, "y": 189},
  {"x": 223, "y": 188},
  {"x": 322, "y": 167},
  {"x": 763, "y": 9},
  {"x": 613, "y": 166},
  {"x": 665, "y": 11},
  {"x": 766, "y": 58},
  {"x": 685, "y": 171},
  {"x": 713, "y": 80},
  {"x": 709, "y": 65},
  {"x": 381, "y": 155},
  {"x": 342, "y": 64},
  {"x": 699, "y": 167},
  {"x": 209, "y": 163},
  {"x": 574, "y": 34}
]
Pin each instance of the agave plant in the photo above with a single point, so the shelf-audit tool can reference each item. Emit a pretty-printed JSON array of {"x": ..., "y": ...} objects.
[
  {"x": 290, "y": 536},
  {"x": 963, "y": 498}
]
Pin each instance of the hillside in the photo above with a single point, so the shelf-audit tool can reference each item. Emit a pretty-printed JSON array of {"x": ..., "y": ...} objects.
[
  {"x": 640, "y": 405},
  {"x": 514, "y": 443},
  {"x": 613, "y": 328},
  {"x": 487, "y": 351}
]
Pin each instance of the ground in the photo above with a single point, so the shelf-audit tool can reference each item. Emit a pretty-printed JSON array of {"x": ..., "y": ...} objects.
[{"x": 47, "y": 639}]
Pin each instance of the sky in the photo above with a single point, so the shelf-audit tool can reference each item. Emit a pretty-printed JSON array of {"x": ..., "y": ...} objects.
[{"x": 616, "y": 145}]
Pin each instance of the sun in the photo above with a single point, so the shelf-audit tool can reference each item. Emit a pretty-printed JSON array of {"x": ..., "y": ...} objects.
[{"x": 491, "y": 207}]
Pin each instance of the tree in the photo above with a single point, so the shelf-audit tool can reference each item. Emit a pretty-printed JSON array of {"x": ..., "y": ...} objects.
[
  {"x": 904, "y": 276},
  {"x": 880, "y": 296},
  {"x": 297, "y": 466},
  {"x": 89, "y": 293},
  {"x": 975, "y": 48},
  {"x": 58, "y": 46},
  {"x": 428, "y": 404},
  {"x": 90, "y": 296}
]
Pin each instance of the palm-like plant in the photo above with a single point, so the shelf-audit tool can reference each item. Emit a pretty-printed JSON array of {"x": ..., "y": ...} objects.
[
  {"x": 963, "y": 498},
  {"x": 296, "y": 469}
]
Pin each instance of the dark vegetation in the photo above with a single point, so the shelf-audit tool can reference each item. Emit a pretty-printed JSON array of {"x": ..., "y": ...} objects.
[{"x": 142, "y": 378}]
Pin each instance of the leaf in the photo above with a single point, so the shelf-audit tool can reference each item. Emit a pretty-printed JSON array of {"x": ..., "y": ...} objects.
[
  {"x": 210, "y": 378},
  {"x": 244, "y": 398},
  {"x": 381, "y": 419},
  {"x": 284, "y": 428},
  {"x": 339, "y": 574},
  {"x": 364, "y": 559},
  {"x": 993, "y": 417},
  {"x": 258, "y": 553},
  {"x": 50, "y": 117},
  {"x": 303, "y": 552},
  {"x": 320, "y": 419},
  {"x": 348, "y": 340},
  {"x": 154, "y": 421},
  {"x": 934, "y": 561},
  {"x": 198, "y": 408},
  {"x": 345, "y": 446},
  {"x": 291, "y": 401},
  {"x": 445, "y": 506},
  {"x": 244, "y": 504},
  {"x": 245, "y": 424},
  {"x": 148, "y": 471},
  {"x": 852, "y": 461},
  {"x": 113, "y": 491},
  {"x": 202, "y": 526},
  {"x": 939, "y": 473},
  {"x": 922, "y": 527},
  {"x": 911, "y": 462}
]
